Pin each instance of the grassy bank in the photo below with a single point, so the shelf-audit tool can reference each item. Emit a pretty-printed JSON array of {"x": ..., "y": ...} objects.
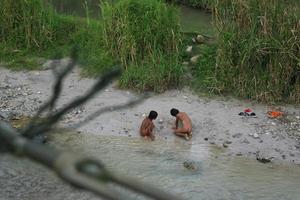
[
  {"x": 30, "y": 31},
  {"x": 144, "y": 36},
  {"x": 146, "y": 45},
  {"x": 258, "y": 54}
]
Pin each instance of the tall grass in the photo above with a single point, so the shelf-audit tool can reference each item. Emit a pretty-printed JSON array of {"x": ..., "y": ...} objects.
[
  {"x": 25, "y": 24},
  {"x": 144, "y": 36},
  {"x": 30, "y": 30},
  {"x": 259, "y": 49}
]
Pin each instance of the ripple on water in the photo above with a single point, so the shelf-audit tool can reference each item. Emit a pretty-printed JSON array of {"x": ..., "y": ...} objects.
[{"x": 188, "y": 169}]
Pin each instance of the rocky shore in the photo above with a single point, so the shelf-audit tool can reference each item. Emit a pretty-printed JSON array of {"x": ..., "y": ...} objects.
[{"x": 215, "y": 121}]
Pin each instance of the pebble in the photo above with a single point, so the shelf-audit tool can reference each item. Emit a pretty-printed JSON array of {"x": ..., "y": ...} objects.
[
  {"x": 225, "y": 145},
  {"x": 189, "y": 49},
  {"x": 255, "y": 135},
  {"x": 237, "y": 135},
  {"x": 246, "y": 141}
]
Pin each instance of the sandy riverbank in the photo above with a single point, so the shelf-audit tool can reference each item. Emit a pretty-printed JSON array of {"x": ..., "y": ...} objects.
[{"x": 215, "y": 121}]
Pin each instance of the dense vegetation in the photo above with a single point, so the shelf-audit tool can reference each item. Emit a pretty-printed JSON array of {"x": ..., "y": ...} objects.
[
  {"x": 256, "y": 54},
  {"x": 259, "y": 49},
  {"x": 144, "y": 36}
]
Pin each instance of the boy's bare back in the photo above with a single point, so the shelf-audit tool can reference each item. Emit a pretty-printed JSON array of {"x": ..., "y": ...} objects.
[
  {"x": 186, "y": 121},
  {"x": 147, "y": 125}
]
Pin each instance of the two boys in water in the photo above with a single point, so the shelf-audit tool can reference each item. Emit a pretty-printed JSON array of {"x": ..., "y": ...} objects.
[{"x": 183, "y": 124}]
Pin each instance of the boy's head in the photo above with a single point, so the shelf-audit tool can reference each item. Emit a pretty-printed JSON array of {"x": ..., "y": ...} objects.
[
  {"x": 152, "y": 115},
  {"x": 174, "y": 112}
]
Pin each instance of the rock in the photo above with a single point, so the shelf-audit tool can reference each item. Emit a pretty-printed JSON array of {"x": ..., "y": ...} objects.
[
  {"x": 200, "y": 39},
  {"x": 263, "y": 159},
  {"x": 206, "y": 139},
  {"x": 225, "y": 145},
  {"x": 190, "y": 165},
  {"x": 255, "y": 135},
  {"x": 239, "y": 154},
  {"x": 3, "y": 115},
  {"x": 246, "y": 141},
  {"x": 194, "y": 59},
  {"x": 189, "y": 49},
  {"x": 237, "y": 135},
  {"x": 185, "y": 63},
  {"x": 228, "y": 142},
  {"x": 160, "y": 121}
]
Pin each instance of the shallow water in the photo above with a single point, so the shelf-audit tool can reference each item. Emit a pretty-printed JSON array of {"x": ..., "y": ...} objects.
[
  {"x": 213, "y": 176},
  {"x": 191, "y": 19}
]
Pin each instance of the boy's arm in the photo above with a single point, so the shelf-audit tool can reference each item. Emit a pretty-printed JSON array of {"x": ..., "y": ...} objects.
[{"x": 176, "y": 123}]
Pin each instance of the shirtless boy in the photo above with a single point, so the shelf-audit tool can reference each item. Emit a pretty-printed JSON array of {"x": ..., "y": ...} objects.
[
  {"x": 147, "y": 125},
  {"x": 183, "y": 124}
]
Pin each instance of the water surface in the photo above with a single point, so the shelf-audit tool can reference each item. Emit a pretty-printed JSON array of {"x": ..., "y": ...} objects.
[{"x": 214, "y": 175}]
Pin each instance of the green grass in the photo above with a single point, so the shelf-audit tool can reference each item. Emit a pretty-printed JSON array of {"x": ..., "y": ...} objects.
[
  {"x": 144, "y": 37},
  {"x": 258, "y": 55}
]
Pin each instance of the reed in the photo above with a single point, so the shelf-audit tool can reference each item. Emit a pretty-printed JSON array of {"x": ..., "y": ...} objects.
[
  {"x": 25, "y": 24},
  {"x": 258, "y": 54},
  {"x": 144, "y": 36}
]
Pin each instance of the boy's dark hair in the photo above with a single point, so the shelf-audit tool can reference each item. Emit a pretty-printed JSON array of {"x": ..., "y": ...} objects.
[
  {"x": 152, "y": 114},
  {"x": 174, "y": 112}
]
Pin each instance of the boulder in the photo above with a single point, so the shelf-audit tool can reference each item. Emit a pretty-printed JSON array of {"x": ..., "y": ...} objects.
[
  {"x": 194, "y": 59},
  {"x": 200, "y": 39}
]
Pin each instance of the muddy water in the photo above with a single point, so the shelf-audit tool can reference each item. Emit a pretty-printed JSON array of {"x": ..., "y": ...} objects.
[
  {"x": 192, "y": 170},
  {"x": 191, "y": 19},
  {"x": 195, "y": 171}
]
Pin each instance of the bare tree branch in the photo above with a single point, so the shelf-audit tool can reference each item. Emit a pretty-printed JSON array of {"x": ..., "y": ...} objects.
[
  {"x": 108, "y": 109},
  {"x": 50, "y": 120},
  {"x": 56, "y": 90}
]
